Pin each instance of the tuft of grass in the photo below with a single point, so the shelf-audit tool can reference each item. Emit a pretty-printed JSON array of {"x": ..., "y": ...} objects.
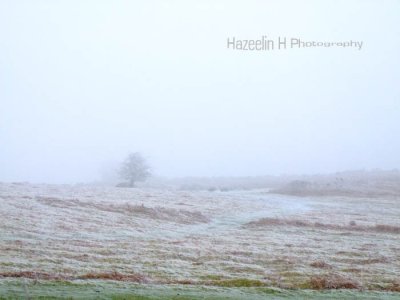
[
  {"x": 115, "y": 276},
  {"x": 352, "y": 270},
  {"x": 320, "y": 264},
  {"x": 379, "y": 228},
  {"x": 33, "y": 275},
  {"x": 387, "y": 228},
  {"x": 332, "y": 282},
  {"x": 239, "y": 282},
  {"x": 393, "y": 287},
  {"x": 212, "y": 277}
]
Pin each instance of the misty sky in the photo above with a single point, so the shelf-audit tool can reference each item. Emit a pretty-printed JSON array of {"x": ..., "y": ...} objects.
[{"x": 83, "y": 83}]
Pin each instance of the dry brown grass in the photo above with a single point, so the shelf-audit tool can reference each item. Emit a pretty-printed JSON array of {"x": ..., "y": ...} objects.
[
  {"x": 184, "y": 281},
  {"x": 381, "y": 228},
  {"x": 318, "y": 282},
  {"x": 49, "y": 276},
  {"x": 34, "y": 275},
  {"x": 115, "y": 276},
  {"x": 156, "y": 213},
  {"x": 393, "y": 287},
  {"x": 377, "y": 260},
  {"x": 333, "y": 282},
  {"x": 320, "y": 264},
  {"x": 387, "y": 228},
  {"x": 352, "y": 270}
]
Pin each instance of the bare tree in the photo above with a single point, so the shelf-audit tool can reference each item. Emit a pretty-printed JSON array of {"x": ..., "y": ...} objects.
[{"x": 134, "y": 168}]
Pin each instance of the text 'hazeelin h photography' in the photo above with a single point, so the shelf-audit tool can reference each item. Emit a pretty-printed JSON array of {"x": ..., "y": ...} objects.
[{"x": 265, "y": 43}]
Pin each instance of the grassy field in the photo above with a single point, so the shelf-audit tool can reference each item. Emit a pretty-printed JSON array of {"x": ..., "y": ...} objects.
[
  {"x": 82, "y": 242},
  {"x": 28, "y": 289}
]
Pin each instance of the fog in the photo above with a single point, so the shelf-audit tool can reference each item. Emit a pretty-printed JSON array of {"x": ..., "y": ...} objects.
[{"x": 83, "y": 83}]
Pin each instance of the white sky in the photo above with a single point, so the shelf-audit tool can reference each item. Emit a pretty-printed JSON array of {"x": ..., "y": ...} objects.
[{"x": 82, "y": 83}]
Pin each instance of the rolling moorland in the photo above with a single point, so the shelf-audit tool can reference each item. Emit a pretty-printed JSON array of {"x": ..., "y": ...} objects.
[{"x": 335, "y": 236}]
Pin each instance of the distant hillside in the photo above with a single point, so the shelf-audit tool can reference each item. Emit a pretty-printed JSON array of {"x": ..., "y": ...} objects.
[{"x": 351, "y": 183}]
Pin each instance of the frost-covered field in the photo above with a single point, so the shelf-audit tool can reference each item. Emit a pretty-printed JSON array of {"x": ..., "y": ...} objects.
[{"x": 60, "y": 240}]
